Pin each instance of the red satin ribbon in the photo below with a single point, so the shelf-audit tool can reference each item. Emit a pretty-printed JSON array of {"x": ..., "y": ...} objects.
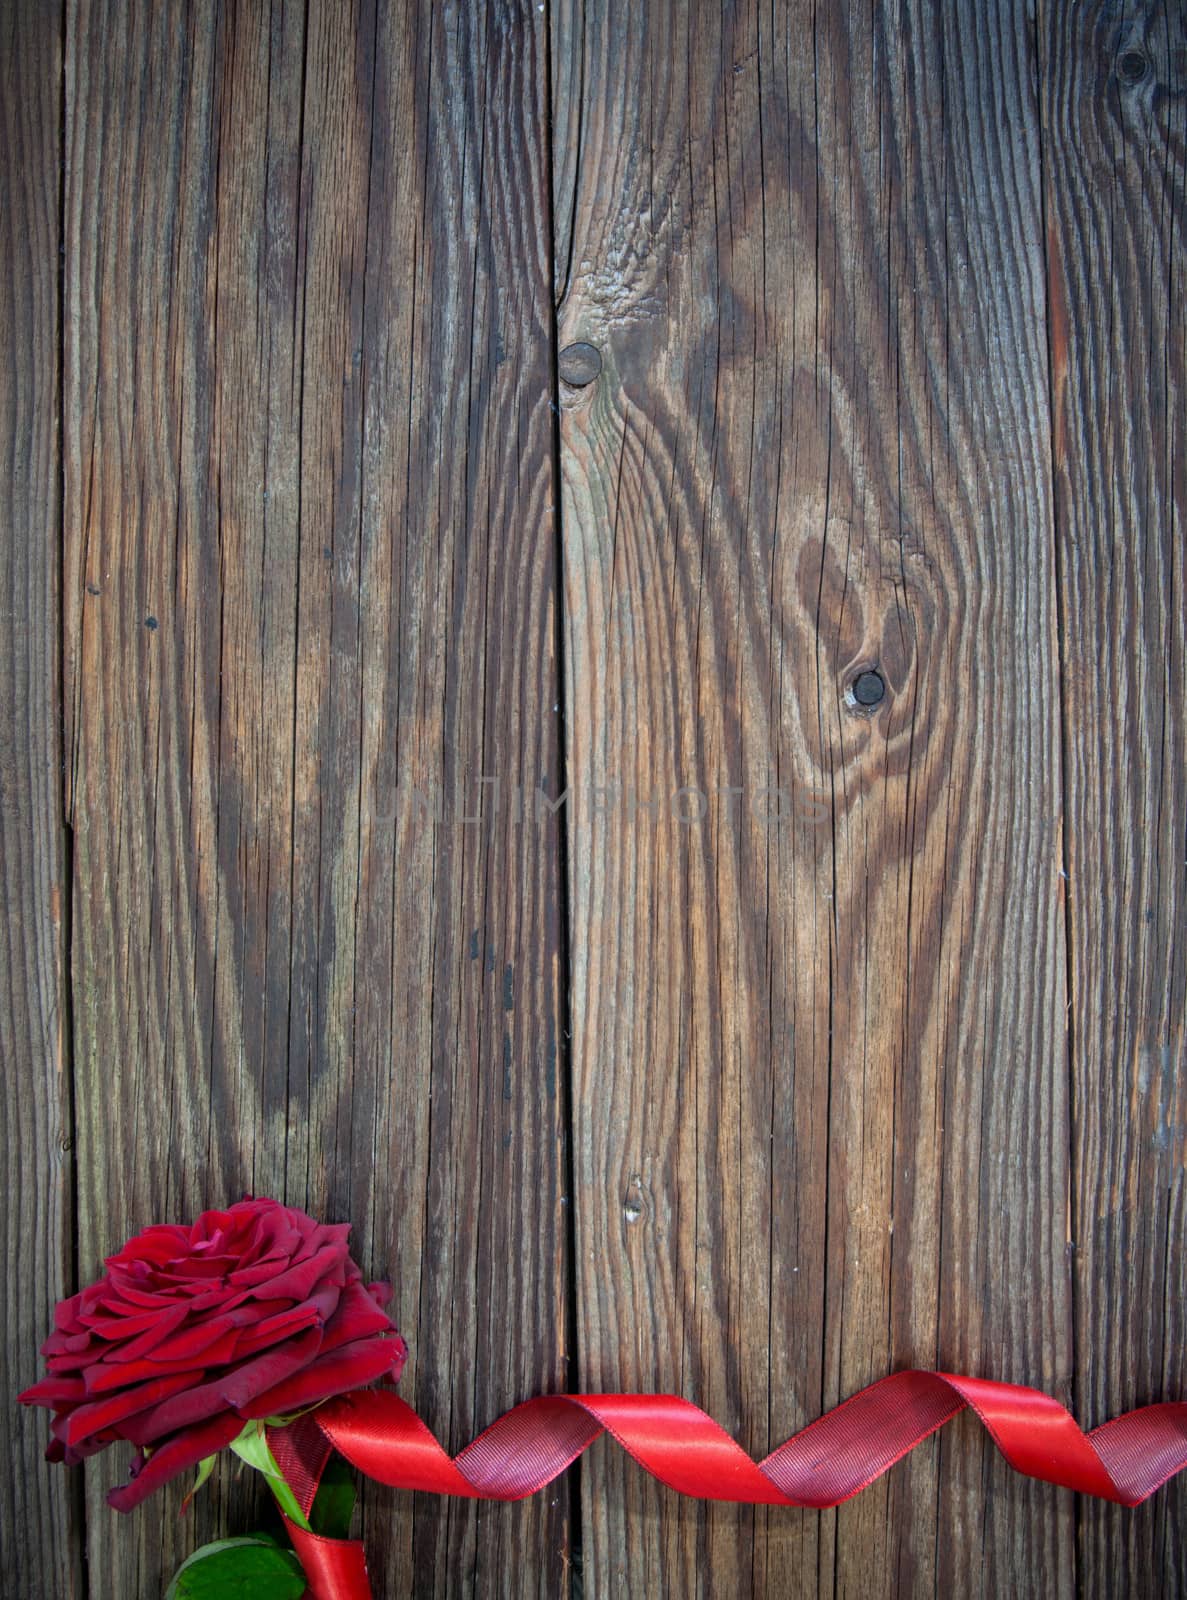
[{"x": 829, "y": 1462}]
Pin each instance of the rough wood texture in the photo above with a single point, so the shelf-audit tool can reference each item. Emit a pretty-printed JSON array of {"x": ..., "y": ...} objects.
[
  {"x": 310, "y": 575},
  {"x": 40, "y": 1525},
  {"x": 1114, "y": 96},
  {"x": 820, "y": 1080},
  {"x": 869, "y": 1049}
]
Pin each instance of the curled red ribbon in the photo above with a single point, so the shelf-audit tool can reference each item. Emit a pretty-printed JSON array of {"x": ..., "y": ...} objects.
[{"x": 1125, "y": 1460}]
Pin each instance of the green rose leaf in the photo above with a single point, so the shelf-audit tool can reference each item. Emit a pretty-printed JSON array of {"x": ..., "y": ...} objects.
[
  {"x": 250, "y": 1568},
  {"x": 334, "y": 1503}
]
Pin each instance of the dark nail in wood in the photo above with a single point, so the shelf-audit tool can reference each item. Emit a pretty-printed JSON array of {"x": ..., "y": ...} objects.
[
  {"x": 579, "y": 364},
  {"x": 868, "y": 688}
]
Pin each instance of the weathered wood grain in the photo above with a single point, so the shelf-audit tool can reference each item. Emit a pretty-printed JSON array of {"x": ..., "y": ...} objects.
[
  {"x": 311, "y": 592},
  {"x": 820, "y": 1074},
  {"x": 40, "y": 1512},
  {"x": 1114, "y": 98},
  {"x": 888, "y": 306}
]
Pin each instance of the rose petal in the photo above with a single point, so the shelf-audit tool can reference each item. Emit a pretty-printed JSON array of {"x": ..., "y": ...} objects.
[
  {"x": 348, "y": 1368},
  {"x": 112, "y": 1322},
  {"x": 299, "y": 1281},
  {"x": 88, "y": 1419},
  {"x": 160, "y": 1325},
  {"x": 261, "y": 1335},
  {"x": 243, "y": 1383},
  {"x": 68, "y": 1344},
  {"x": 66, "y": 1311},
  {"x": 174, "y": 1456},
  {"x": 357, "y": 1317},
  {"x": 54, "y": 1392},
  {"x": 104, "y": 1376},
  {"x": 203, "y": 1400},
  {"x": 258, "y": 1272},
  {"x": 156, "y": 1244},
  {"x": 193, "y": 1344}
]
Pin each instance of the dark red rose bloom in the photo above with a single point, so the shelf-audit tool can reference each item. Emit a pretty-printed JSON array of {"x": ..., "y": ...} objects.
[{"x": 251, "y": 1312}]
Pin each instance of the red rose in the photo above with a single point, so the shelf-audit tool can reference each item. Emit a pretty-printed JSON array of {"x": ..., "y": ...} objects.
[{"x": 251, "y": 1312}]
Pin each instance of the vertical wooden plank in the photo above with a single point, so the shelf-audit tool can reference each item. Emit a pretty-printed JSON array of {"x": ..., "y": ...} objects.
[
  {"x": 42, "y": 1538},
  {"x": 461, "y": 668},
  {"x": 820, "y": 1081},
  {"x": 1114, "y": 95},
  {"x": 311, "y": 590}
]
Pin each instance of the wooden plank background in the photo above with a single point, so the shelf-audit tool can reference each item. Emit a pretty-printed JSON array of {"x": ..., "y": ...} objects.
[
  {"x": 310, "y": 569},
  {"x": 1113, "y": 85},
  {"x": 40, "y": 1511},
  {"x": 432, "y": 786}
]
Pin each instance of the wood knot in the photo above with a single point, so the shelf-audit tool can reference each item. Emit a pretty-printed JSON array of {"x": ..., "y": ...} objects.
[
  {"x": 633, "y": 1204},
  {"x": 1132, "y": 67}
]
